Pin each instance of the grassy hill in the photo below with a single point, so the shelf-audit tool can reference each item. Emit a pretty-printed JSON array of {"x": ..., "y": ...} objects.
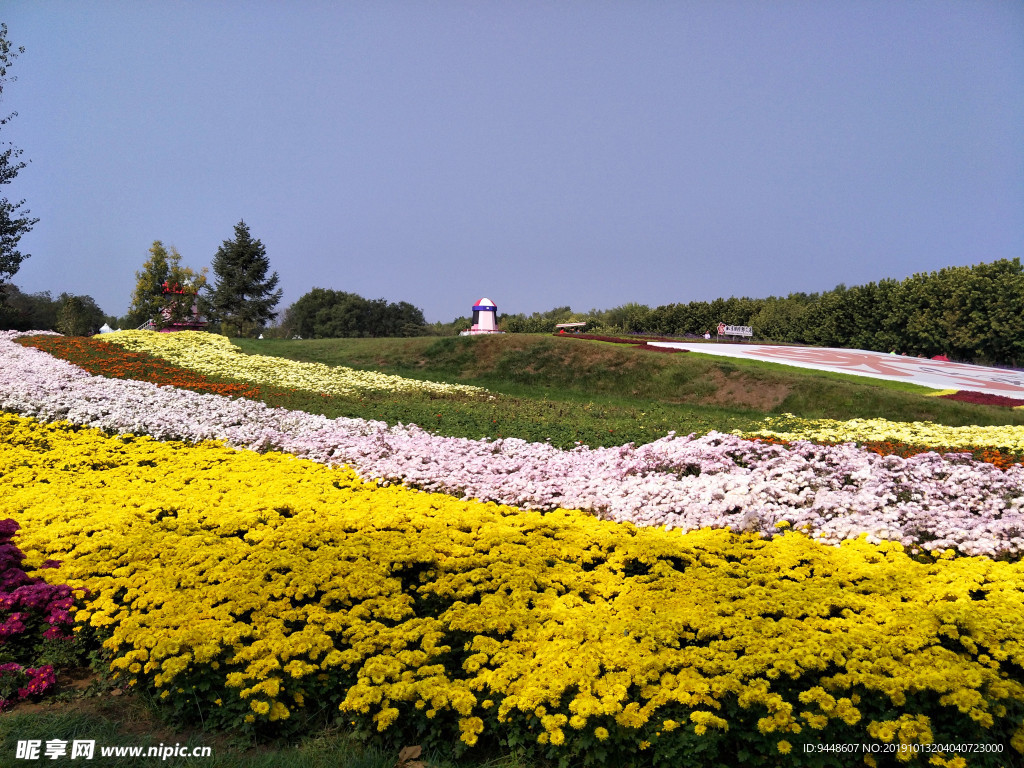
[{"x": 569, "y": 390}]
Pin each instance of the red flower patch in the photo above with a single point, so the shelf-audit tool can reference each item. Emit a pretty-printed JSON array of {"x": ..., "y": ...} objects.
[{"x": 980, "y": 398}]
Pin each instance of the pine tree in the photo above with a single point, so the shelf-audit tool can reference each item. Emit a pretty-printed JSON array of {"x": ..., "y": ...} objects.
[{"x": 242, "y": 298}]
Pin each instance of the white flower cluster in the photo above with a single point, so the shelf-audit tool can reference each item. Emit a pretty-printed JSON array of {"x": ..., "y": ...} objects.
[{"x": 832, "y": 492}]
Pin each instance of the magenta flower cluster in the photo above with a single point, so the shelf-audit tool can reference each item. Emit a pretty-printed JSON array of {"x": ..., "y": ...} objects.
[
  {"x": 928, "y": 501},
  {"x": 25, "y": 600},
  {"x": 30, "y": 609},
  {"x": 18, "y": 683}
]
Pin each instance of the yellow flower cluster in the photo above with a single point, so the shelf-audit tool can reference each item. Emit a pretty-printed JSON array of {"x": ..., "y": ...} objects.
[
  {"x": 214, "y": 355},
  {"x": 790, "y": 427},
  {"x": 282, "y": 582}
]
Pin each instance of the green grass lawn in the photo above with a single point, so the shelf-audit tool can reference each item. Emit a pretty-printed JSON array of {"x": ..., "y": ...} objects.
[{"x": 569, "y": 390}]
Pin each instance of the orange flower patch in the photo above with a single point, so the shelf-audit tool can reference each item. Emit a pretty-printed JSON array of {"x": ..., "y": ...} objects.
[{"x": 114, "y": 362}]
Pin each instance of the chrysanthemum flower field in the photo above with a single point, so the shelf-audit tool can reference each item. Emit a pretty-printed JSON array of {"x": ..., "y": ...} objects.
[
  {"x": 214, "y": 355},
  {"x": 695, "y": 601}
]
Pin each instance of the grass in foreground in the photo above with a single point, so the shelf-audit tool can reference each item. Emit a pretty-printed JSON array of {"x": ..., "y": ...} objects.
[{"x": 128, "y": 721}]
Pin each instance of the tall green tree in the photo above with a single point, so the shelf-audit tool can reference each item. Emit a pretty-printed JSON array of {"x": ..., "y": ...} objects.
[
  {"x": 146, "y": 300},
  {"x": 242, "y": 297},
  {"x": 14, "y": 220},
  {"x": 78, "y": 315},
  {"x": 149, "y": 300}
]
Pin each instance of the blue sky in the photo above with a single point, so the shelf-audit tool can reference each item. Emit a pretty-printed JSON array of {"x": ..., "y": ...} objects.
[{"x": 537, "y": 153}]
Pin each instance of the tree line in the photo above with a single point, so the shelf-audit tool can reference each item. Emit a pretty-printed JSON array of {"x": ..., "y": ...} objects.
[
  {"x": 973, "y": 314},
  {"x": 70, "y": 314},
  {"x": 969, "y": 313},
  {"x": 326, "y": 313}
]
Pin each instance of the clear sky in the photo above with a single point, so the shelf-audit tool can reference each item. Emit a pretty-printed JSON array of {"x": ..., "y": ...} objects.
[{"x": 540, "y": 154}]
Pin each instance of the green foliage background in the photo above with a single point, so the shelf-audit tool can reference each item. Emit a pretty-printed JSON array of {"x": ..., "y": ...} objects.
[
  {"x": 323, "y": 313},
  {"x": 973, "y": 314}
]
